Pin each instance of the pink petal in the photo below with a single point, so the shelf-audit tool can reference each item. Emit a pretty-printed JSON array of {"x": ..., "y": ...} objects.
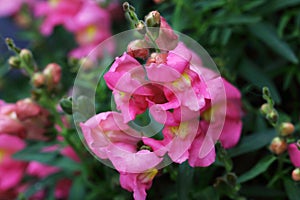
[{"x": 294, "y": 153}]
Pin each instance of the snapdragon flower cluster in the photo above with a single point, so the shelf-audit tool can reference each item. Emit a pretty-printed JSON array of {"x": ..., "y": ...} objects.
[{"x": 159, "y": 74}]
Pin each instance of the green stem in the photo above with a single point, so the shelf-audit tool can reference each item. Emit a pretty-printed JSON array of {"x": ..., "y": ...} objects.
[
  {"x": 153, "y": 42},
  {"x": 278, "y": 171}
]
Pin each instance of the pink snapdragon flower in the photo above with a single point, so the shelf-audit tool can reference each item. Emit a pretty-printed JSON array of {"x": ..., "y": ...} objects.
[
  {"x": 168, "y": 84},
  {"x": 294, "y": 154},
  {"x": 11, "y": 170},
  {"x": 138, "y": 183},
  {"x": 110, "y": 138},
  {"x": 195, "y": 106}
]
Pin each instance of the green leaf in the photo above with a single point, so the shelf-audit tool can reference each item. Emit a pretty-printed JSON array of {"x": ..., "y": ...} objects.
[
  {"x": 185, "y": 179},
  {"x": 66, "y": 164},
  {"x": 252, "y": 142},
  {"x": 267, "y": 34},
  {"x": 256, "y": 76},
  {"x": 292, "y": 189},
  {"x": 77, "y": 190},
  {"x": 208, "y": 193},
  {"x": 252, "y": 4},
  {"x": 261, "y": 192},
  {"x": 49, "y": 181},
  {"x": 37, "y": 156},
  {"x": 259, "y": 168},
  {"x": 236, "y": 20},
  {"x": 275, "y": 5},
  {"x": 209, "y": 5}
]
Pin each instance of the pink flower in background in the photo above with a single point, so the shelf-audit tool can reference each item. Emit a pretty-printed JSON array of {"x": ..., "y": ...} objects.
[
  {"x": 232, "y": 129},
  {"x": 294, "y": 154},
  {"x": 34, "y": 118},
  {"x": 8, "y": 7},
  {"x": 25, "y": 119},
  {"x": 89, "y": 22},
  {"x": 11, "y": 170},
  {"x": 9, "y": 122},
  {"x": 57, "y": 12},
  {"x": 91, "y": 26},
  {"x": 138, "y": 183},
  {"x": 110, "y": 138}
]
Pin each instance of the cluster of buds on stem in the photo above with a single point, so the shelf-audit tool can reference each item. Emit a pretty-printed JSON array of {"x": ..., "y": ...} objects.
[
  {"x": 285, "y": 141},
  {"x": 267, "y": 109},
  {"x": 50, "y": 77}
]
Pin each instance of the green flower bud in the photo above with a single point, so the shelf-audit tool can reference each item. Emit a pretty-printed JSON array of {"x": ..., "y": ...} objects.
[
  {"x": 286, "y": 129},
  {"x": 26, "y": 57},
  {"x": 66, "y": 104},
  {"x": 14, "y": 62}
]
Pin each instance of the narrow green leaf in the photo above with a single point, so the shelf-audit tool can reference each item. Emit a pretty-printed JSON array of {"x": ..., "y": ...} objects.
[
  {"x": 66, "y": 164},
  {"x": 208, "y": 193},
  {"x": 236, "y": 20},
  {"x": 49, "y": 181},
  {"x": 252, "y": 142},
  {"x": 275, "y": 5},
  {"x": 209, "y": 5},
  {"x": 267, "y": 34},
  {"x": 252, "y": 4},
  {"x": 258, "y": 169},
  {"x": 292, "y": 189},
  {"x": 185, "y": 179},
  {"x": 256, "y": 76},
  {"x": 40, "y": 157},
  {"x": 226, "y": 33},
  {"x": 261, "y": 192},
  {"x": 77, "y": 191}
]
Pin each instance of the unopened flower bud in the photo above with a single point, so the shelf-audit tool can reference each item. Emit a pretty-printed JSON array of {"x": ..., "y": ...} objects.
[
  {"x": 278, "y": 146},
  {"x": 14, "y": 62},
  {"x": 157, "y": 58},
  {"x": 27, "y": 108},
  {"x": 296, "y": 174},
  {"x": 265, "y": 109},
  {"x": 66, "y": 104},
  {"x": 126, "y": 6},
  {"x": 87, "y": 63},
  {"x": 286, "y": 129},
  {"x": 141, "y": 27},
  {"x": 26, "y": 57},
  {"x": 158, "y": 1},
  {"x": 153, "y": 19},
  {"x": 272, "y": 116},
  {"x": 52, "y": 74},
  {"x": 38, "y": 80},
  {"x": 138, "y": 49},
  {"x": 266, "y": 92}
]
